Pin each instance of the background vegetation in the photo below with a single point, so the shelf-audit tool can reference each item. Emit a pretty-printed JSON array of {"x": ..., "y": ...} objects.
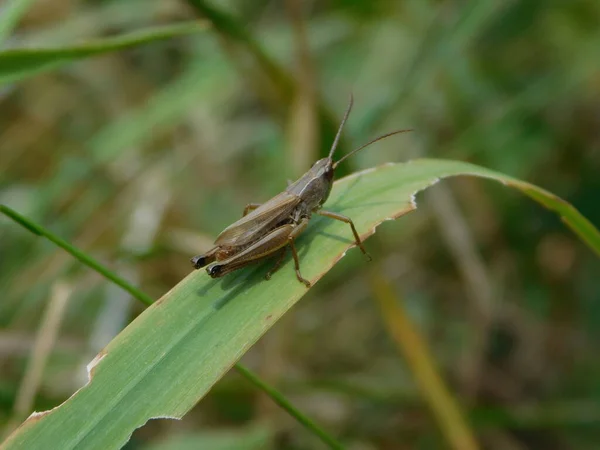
[{"x": 142, "y": 156}]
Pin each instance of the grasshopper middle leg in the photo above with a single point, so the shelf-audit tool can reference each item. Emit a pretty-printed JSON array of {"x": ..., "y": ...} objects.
[
  {"x": 293, "y": 235},
  {"x": 347, "y": 220},
  {"x": 277, "y": 264}
]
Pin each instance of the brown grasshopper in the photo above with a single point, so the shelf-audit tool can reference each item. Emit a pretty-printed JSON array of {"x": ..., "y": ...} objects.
[{"x": 271, "y": 227}]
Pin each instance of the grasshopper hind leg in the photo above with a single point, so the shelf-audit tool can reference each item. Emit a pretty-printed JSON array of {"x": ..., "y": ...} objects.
[{"x": 199, "y": 261}]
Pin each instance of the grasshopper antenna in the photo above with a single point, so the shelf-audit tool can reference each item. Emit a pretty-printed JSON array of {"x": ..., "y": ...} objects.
[
  {"x": 335, "y": 164},
  {"x": 339, "y": 132}
]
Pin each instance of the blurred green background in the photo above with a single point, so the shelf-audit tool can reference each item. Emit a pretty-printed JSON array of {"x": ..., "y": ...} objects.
[{"x": 142, "y": 157}]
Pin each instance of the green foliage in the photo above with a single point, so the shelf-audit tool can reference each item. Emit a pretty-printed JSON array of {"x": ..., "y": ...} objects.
[
  {"x": 11, "y": 13},
  {"x": 18, "y": 64},
  {"x": 167, "y": 359},
  {"x": 140, "y": 158}
]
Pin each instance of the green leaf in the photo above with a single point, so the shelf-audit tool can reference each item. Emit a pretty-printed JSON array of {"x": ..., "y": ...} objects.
[
  {"x": 21, "y": 63},
  {"x": 168, "y": 358}
]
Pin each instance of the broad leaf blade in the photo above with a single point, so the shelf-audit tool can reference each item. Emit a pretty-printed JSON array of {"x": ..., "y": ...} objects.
[
  {"x": 167, "y": 359},
  {"x": 18, "y": 64}
]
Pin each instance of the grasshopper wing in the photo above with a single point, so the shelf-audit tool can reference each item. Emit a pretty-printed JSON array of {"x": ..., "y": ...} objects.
[{"x": 253, "y": 225}]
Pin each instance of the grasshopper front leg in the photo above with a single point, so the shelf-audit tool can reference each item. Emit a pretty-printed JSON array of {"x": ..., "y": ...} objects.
[
  {"x": 277, "y": 265},
  {"x": 347, "y": 220}
]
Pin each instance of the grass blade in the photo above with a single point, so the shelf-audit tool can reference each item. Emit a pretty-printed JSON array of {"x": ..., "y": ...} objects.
[
  {"x": 234, "y": 29},
  {"x": 279, "y": 399},
  {"x": 77, "y": 253},
  {"x": 11, "y": 14},
  {"x": 18, "y": 64},
  {"x": 421, "y": 364}
]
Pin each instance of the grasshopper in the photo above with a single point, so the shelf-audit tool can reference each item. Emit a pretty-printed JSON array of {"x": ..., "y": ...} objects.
[{"x": 270, "y": 228}]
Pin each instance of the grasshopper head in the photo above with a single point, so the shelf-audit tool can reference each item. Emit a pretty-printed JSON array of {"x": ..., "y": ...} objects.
[
  {"x": 315, "y": 186},
  {"x": 323, "y": 168},
  {"x": 322, "y": 175}
]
